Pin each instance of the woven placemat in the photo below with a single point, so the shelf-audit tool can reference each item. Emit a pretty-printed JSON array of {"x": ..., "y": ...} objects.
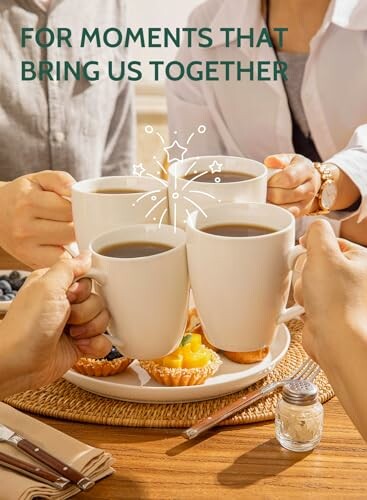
[{"x": 66, "y": 401}]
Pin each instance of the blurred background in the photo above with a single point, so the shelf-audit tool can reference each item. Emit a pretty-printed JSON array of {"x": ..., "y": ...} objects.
[{"x": 150, "y": 95}]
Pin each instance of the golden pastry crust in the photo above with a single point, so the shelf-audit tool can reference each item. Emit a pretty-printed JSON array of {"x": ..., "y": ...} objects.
[
  {"x": 194, "y": 326},
  {"x": 247, "y": 358},
  {"x": 101, "y": 367},
  {"x": 182, "y": 376}
]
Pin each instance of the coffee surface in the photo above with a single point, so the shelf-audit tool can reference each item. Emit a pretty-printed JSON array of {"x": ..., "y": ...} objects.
[
  {"x": 118, "y": 191},
  {"x": 238, "y": 230},
  {"x": 224, "y": 177},
  {"x": 134, "y": 249}
]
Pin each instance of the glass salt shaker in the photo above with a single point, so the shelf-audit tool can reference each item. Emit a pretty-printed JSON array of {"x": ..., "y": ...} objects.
[{"x": 299, "y": 416}]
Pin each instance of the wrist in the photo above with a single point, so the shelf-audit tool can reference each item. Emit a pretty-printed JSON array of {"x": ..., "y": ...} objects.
[
  {"x": 6, "y": 369},
  {"x": 348, "y": 331},
  {"x": 347, "y": 192},
  {"x": 14, "y": 372},
  {"x": 327, "y": 189}
]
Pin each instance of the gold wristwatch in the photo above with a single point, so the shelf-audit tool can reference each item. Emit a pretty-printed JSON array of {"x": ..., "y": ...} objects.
[{"x": 328, "y": 191}]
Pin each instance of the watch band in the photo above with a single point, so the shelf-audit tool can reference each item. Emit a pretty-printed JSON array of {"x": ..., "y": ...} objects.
[{"x": 327, "y": 177}]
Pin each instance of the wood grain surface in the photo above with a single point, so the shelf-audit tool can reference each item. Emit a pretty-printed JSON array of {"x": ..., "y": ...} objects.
[{"x": 236, "y": 462}]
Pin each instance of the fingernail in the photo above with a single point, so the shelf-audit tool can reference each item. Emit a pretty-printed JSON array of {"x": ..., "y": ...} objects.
[
  {"x": 78, "y": 332},
  {"x": 73, "y": 289},
  {"x": 71, "y": 293}
]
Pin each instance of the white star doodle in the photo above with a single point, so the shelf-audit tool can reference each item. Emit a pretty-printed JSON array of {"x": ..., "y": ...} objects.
[
  {"x": 216, "y": 167},
  {"x": 156, "y": 201},
  {"x": 175, "y": 152},
  {"x": 138, "y": 170}
]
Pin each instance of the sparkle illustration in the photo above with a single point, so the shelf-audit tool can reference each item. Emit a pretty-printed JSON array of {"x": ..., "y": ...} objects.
[
  {"x": 138, "y": 170},
  {"x": 216, "y": 167},
  {"x": 158, "y": 200},
  {"x": 175, "y": 152}
]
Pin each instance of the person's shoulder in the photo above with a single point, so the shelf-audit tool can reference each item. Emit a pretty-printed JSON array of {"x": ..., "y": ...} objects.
[{"x": 205, "y": 13}]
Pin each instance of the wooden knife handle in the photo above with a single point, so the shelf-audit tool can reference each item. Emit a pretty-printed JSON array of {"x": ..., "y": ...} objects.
[
  {"x": 215, "y": 418},
  {"x": 45, "y": 458},
  {"x": 33, "y": 471}
]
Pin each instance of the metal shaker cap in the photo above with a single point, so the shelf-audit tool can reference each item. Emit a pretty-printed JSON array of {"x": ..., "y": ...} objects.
[{"x": 300, "y": 392}]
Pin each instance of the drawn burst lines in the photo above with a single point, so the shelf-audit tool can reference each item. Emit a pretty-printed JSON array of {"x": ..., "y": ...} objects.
[
  {"x": 149, "y": 129},
  {"x": 156, "y": 206},
  {"x": 160, "y": 166},
  {"x": 198, "y": 207},
  {"x": 194, "y": 179}
]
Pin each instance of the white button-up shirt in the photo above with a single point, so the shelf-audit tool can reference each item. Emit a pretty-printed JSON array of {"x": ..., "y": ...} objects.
[{"x": 252, "y": 118}]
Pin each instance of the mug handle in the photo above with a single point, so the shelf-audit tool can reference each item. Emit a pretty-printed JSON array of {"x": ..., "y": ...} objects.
[
  {"x": 101, "y": 278},
  {"x": 72, "y": 248},
  {"x": 295, "y": 311}
]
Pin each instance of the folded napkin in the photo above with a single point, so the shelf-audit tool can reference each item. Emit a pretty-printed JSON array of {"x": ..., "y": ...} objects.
[{"x": 93, "y": 462}]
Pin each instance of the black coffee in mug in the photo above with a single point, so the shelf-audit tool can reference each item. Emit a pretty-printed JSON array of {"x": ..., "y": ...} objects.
[
  {"x": 118, "y": 191},
  {"x": 224, "y": 177},
  {"x": 134, "y": 249},
  {"x": 238, "y": 230}
]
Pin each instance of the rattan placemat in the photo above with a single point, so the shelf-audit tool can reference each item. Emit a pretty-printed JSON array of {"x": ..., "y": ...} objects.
[{"x": 64, "y": 400}]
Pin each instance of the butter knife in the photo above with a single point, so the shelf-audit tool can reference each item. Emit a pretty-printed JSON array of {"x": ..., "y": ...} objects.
[
  {"x": 33, "y": 471},
  {"x": 34, "y": 451}
]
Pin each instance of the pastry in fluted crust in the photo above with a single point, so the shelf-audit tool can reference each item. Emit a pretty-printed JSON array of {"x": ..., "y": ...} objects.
[
  {"x": 246, "y": 358},
  {"x": 182, "y": 376},
  {"x": 190, "y": 364},
  {"x": 112, "y": 364}
]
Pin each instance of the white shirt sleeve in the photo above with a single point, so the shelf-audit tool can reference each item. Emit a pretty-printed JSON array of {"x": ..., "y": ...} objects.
[{"x": 353, "y": 161}]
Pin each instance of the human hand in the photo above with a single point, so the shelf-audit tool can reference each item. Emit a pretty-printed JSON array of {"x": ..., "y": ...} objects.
[
  {"x": 333, "y": 290},
  {"x": 296, "y": 186},
  {"x": 37, "y": 349},
  {"x": 35, "y": 219}
]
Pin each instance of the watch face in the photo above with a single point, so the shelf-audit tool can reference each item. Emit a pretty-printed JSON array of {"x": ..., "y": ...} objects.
[{"x": 328, "y": 195}]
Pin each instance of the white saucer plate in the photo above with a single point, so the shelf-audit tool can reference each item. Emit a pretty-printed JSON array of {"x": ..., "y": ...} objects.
[
  {"x": 136, "y": 385},
  {"x": 4, "y": 306}
]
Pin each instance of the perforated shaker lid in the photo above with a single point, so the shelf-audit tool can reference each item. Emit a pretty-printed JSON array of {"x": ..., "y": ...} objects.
[{"x": 300, "y": 392}]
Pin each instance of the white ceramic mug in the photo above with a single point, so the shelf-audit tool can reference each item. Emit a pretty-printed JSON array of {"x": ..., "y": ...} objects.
[
  {"x": 241, "y": 285},
  {"x": 95, "y": 213},
  {"x": 187, "y": 196},
  {"x": 147, "y": 297}
]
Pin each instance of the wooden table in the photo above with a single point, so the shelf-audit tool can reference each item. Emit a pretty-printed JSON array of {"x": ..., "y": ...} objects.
[{"x": 236, "y": 462}]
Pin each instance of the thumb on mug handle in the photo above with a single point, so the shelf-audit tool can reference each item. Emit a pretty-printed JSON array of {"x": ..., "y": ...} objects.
[{"x": 295, "y": 311}]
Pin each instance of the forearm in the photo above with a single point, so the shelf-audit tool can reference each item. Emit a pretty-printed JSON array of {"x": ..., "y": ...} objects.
[
  {"x": 10, "y": 382},
  {"x": 353, "y": 231},
  {"x": 346, "y": 368},
  {"x": 348, "y": 192}
]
